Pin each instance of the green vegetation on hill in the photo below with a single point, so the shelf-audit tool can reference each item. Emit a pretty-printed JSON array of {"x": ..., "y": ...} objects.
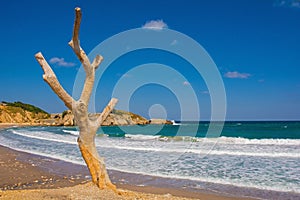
[
  {"x": 25, "y": 106},
  {"x": 64, "y": 114},
  {"x": 118, "y": 112}
]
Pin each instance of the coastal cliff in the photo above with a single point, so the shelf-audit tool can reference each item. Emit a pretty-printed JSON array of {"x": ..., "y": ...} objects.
[
  {"x": 19, "y": 112},
  {"x": 116, "y": 117}
]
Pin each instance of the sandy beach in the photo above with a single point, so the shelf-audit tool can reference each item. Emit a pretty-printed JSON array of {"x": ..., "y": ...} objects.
[
  {"x": 150, "y": 100},
  {"x": 28, "y": 176}
]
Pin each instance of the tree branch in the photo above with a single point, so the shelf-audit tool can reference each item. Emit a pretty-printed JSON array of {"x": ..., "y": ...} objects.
[
  {"x": 74, "y": 43},
  {"x": 110, "y": 106},
  {"x": 52, "y": 81},
  {"x": 89, "y": 69},
  {"x": 97, "y": 61}
]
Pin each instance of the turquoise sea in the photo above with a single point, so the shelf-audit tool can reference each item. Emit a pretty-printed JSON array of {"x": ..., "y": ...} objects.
[{"x": 258, "y": 159}]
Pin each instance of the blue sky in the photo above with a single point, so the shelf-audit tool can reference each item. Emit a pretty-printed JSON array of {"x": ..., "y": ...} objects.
[{"x": 255, "y": 45}]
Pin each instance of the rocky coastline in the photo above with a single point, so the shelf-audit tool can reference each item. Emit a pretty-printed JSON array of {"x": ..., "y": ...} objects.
[{"x": 20, "y": 114}]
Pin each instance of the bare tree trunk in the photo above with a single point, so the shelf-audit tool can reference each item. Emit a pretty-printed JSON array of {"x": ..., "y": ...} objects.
[
  {"x": 88, "y": 125},
  {"x": 95, "y": 165}
]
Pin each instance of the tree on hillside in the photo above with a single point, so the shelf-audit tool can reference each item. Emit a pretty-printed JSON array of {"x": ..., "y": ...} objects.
[{"x": 88, "y": 125}]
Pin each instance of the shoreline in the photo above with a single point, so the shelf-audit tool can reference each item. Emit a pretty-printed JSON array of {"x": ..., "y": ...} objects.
[
  {"x": 11, "y": 125},
  {"x": 21, "y": 171},
  {"x": 48, "y": 172}
]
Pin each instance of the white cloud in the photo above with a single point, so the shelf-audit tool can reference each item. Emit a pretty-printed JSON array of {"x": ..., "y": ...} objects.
[
  {"x": 155, "y": 25},
  {"x": 186, "y": 83},
  {"x": 237, "y": 75},
  {"x": 61, "y": 62},
  {"x": 287, "y": 3}
]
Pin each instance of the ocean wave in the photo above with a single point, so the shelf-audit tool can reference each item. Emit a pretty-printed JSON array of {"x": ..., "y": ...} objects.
[
  {"x": 55, "y": 156},
  {"x": 202, "y": 151},
  {"x": 76, "y": 133},
  {"x": 173, "y": 148},
  {"x": 268, "y": 164},
  {"x": 174, "y": 123},
  {"x": 141, "y": 137},
  {"x": 239, "y": 140},
  {"x": 221, "y": 181},
  {"x": 40, "y": 135},
  {"x": 219, "y": 140}
]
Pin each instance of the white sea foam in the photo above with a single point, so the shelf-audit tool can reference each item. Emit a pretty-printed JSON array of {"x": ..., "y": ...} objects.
[
  {"x": 76, "y": 133},
  {"x": 44, "y": 135},
  {"x": 55, "y": 156},
  {"x": 219, "y": 140},
  {"x": 141, "y": 137},
  {"x": 172, "y": 148},
  {"x": 202, "y": 179},
  {"x": 201, "y": 151},
  {"x": 231, "y": 140},
  {"x": 174, "y": 123},
  {"x": 258, "y": 156},
  {"x": 222, "y": 181}
]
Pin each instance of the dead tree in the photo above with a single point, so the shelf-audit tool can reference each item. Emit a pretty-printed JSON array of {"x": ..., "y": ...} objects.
[{"x": 88, "y": 125}]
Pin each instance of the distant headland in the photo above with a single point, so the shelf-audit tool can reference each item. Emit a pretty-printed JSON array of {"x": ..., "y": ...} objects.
[{"x": 22, "y": 113}]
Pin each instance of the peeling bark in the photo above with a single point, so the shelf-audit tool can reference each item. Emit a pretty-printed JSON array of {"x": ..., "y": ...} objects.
[{"x": 87, "y": 126}]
